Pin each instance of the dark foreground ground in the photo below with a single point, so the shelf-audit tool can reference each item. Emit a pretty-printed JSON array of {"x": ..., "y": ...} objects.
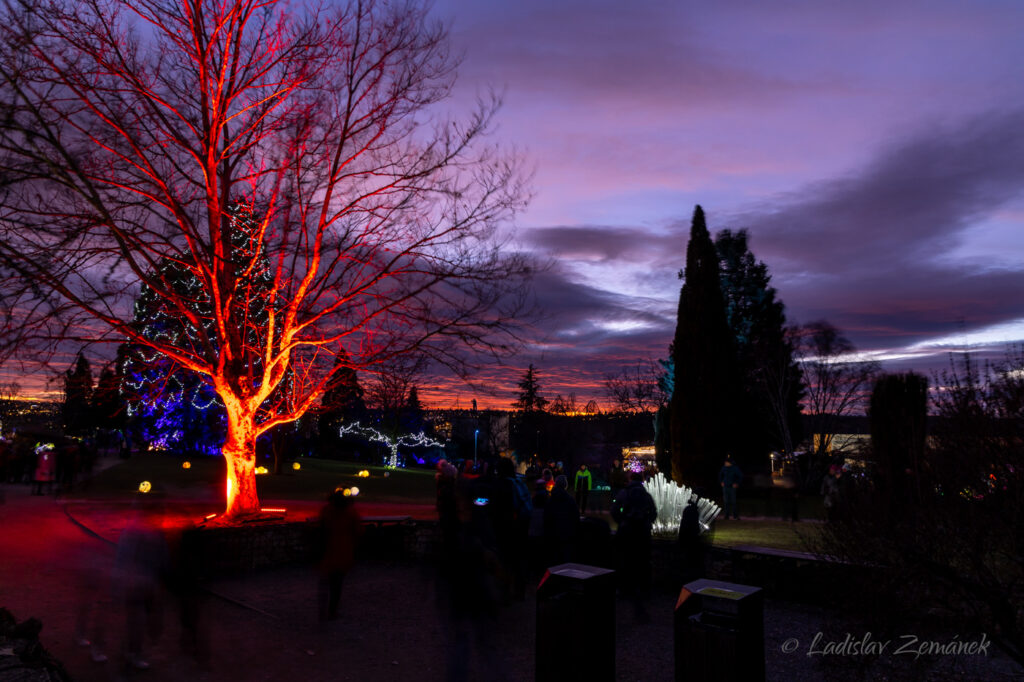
[{"x": 263, "y": 626}]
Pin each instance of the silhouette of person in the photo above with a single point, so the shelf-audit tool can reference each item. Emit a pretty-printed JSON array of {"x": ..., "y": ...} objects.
[
  {"x": 634, "y": 510},
  {"x": 561, "y": 524},
  {"x": 729, "y": 477}
]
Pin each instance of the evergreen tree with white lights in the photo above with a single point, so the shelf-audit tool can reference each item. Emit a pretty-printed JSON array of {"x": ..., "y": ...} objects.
[{"x": 175, "y": 409}]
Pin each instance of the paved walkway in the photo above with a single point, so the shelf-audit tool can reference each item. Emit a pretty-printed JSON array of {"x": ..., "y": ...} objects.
[{"x": 263, "y": 626}]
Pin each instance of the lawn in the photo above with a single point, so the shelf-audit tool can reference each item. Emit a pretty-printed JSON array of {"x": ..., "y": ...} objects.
[
  {"x": 204, "y": 480},
  {"x": 765, "y": 533},
  {"x": 397, "y": 491}
]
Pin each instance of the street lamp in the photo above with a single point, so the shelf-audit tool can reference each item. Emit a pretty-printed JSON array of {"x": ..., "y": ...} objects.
[{"x": 475, "y": 434}]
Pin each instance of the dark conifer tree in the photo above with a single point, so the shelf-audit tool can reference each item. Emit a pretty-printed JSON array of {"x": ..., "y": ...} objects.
[
  {"x": 107, "y": 402},
  {"x": 412, "y": 413},
  {"x": 527, "y": 426},
  {"x": 168, "y": 405},
  {"x": 530, "y": 399},
  {"x": 764, "y": 357},
  {"x": 702, "y": 400},
  {"x": 77, "y": 408},
  {"x": 343, "y": 402}
]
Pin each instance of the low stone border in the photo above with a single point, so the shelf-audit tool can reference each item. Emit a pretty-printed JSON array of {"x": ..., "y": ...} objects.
[{"x": 790, "y": 575}]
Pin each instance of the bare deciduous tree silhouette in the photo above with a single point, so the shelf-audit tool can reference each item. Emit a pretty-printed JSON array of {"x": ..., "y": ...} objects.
[{"x": 129, "y": 129}]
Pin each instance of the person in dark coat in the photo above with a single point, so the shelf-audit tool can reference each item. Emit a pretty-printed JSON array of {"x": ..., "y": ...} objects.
[
  {"x": 635, "y": 512},
  {"x": 691, "y": 550},
  {"x": 511, "y": 509},
  {"x": 730, "y": 477},
  {"x": 446, "y": 480},
  {"x": 617, "y": 478},
  {"x": 561, "y": 523}
]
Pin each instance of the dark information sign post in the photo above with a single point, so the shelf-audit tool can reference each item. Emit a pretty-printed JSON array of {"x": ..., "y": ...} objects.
[
  {"x": 719, "y": 632},
  {"x": 576, "y": 613}
]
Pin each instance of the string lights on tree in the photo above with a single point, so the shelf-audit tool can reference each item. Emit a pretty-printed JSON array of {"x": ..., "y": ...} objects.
[
  {"x": 407, "y": 440},
  {"x": 173, "y": 408}
]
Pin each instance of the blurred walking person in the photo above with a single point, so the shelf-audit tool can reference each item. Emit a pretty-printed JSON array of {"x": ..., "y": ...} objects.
[
  {"x": 140, "y": 564},
  {"x": 340, "y": 527}
]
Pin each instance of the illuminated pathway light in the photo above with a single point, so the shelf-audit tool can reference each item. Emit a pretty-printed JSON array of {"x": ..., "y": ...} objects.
[{"x": 409, "y": 440}]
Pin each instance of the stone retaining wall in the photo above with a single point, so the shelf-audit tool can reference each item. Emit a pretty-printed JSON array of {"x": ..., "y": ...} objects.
[
  {"x": 247, "y": 548},
  {"x": 241, "y": 549}
]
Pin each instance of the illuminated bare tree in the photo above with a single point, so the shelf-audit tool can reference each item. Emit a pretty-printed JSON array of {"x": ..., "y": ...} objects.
[{"x": 130, "y": 128}]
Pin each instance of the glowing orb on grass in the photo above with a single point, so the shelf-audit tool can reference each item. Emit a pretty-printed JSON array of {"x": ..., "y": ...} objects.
[
  {"x": 347, "y": 492},
  {"x": 145, "y": 487},
  {"x": 296, "y": 466},
  {"x": 186, "y": 465},
  {"x": 261, "y": 470},
  {"x": 364, "y": 474},
  {"x": 354, "y": 490},
  {"x": 386, "y": 474}
]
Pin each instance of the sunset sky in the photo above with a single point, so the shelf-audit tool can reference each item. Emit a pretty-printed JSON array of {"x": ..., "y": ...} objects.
[{"x": 874, "y": 150}]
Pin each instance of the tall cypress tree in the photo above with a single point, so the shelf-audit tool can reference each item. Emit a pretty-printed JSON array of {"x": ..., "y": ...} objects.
[{"x": 701, "y": 402}]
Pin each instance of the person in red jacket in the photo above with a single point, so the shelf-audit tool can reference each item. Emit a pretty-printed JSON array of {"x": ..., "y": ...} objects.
[
  {"x": 46, "y": 468},
  {"x": 340, "y": 526}
]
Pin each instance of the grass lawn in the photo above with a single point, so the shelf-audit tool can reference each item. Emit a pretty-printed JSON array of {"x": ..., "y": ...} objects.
[
  {"x": 204, "y": 480},
  {"x": 765, "y": 533},
  {"x": 202, "y": 484}
]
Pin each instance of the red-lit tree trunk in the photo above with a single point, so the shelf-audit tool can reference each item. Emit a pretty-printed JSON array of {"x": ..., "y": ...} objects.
[{"x": 240, "y": 459}]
